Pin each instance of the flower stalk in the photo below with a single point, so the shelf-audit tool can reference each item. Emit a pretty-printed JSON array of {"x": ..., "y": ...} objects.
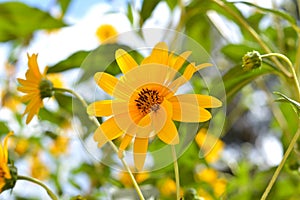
[
  {"x": 35, "y": 181},
  {"x": 176, "y": 171}
]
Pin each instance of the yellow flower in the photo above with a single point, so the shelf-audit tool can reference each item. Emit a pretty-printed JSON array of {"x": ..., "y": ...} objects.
[
  {"x": 4, "y": 169},
  {"x": 36, "y": 86},
  {"x": 167, "y": 187},
  {"x": 145, "y": 103},
  {"x": 22, "y": 145},
  {"x": 106, "y": 33},
  {"x": 56, "y": 79},
  {"x": 207, "y": 175},
  {"x": 38, "y": 169},
  {"x": 59, "y": 146},
  {"x": 219, "y": 186},
  {"x": 210, "y": 145},
  {"x": 139, "y": 177}
]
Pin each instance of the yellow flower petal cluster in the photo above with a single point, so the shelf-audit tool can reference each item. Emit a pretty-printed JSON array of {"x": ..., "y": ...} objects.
[
  {"x": 59, "y": 146},
  {"x": 4, "y": 169},
  {"x": 106, "y": 33},
  {"x": 210, "y": 145},
  {"x": 38, "y": 168},
  {"x": 145, "y": 102},
  {"x": 36, "y": 86}
]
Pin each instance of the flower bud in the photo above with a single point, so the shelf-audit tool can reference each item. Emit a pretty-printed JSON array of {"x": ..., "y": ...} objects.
[{"x": 251, "y": 60}]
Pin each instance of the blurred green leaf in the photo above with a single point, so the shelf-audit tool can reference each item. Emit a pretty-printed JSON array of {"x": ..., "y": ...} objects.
[
  {"x": 64, "y": 101},
  {"x": 171, "y": 3},
  {"x": 236, "y": 78},
  {"x": 73, "y": 61},
  {"x": 129, "y": 13},
  {"x": 3, "y": 128},
  {"x": 147, "y": 9},
  {"x": 274, "y": 11},
  {"x": 18, "y": 20},
  {"x": 64, "y": 4},
  {"x": 295, "y": 104}
]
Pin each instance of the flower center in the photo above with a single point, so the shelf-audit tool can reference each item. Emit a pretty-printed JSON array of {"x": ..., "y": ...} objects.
[
  {"x": 148, "y": 100},
  {"x": 46, "y": 88}
]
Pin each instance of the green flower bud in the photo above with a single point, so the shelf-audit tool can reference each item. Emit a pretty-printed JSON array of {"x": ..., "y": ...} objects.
[
  {"x": 191, "y": 194},
  {"x": 46, "y": 88},
  {"x": 251, "y": 60}
]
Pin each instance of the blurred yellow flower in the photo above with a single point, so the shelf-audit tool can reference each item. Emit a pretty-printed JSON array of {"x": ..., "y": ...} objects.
[
  {"x": 4, "y": 169},
  {"x": 220, "y": 186},
  {"x": 38, "y": 169},
  {"x": 10, "y": 101},
  {"x": 145, "y": 103},
  {"x": 126, "y": 180},
  {"x": 36, "y": 86},
  {"x": 59, "y": 146},
  {"x": 210, "y": 145},
  {"x": 167, "y": 187},
  {"x": 208, "y": 175},
  {"x": 204, "y": 194},
  {"x": 106, "y": 33},
  {"x": 22, "y": 145},
  {"x": 56, "y": 79}
]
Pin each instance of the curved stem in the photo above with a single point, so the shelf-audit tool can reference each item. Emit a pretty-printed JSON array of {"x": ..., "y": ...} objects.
[
  {"x": 35, "y": 181},
  {"x": 176, "y": 171},
  {"x": 253, "y": 33},
  {"x": 279, "y": 168},
  {"x": 94, "y": 119},
  {"x": 287, "y": 60}
]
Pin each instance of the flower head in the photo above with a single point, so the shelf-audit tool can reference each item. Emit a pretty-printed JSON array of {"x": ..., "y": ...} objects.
[
  {"x": 5, "y": 174},
  {"x": 106, "y": 33},
  {"x": 36, "y": 86},
  {"x": 146, "y": 103}
]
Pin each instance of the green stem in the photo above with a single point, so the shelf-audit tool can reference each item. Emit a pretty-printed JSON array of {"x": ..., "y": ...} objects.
[
  {"x": 35, "y": 181},
  {"x": 176, "y": 171},
  {"x": 279, "y": 168},
  {"x": 253, "y": 33},
  {"x": 287, "y": 60},
  {"x": 94, "y": 119}
]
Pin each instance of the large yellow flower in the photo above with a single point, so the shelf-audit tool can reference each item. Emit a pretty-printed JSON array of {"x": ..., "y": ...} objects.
[
  {"x": 4, "y": 169},
  {"x": 36, "y": 86},
  {"x": 146, "y": 102}
]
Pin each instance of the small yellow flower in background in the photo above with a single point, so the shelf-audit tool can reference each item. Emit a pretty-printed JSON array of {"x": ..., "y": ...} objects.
[
  {"x": 36, "y": 86},
  {"x": 4, "y": 168},
  {"x": 125, "y": 179},
  {"x": 145, "y": 103},
  {"x": 210, "y": 145},
  {"x": 10, "y": 101},
  {"x": 167, "y": 187},
  {"x": 38, "y": 169},
  {"x": 204, "y": 194},
  {"x": 59, "y": 146},
  {"x": 22, "y": 145},
  {"x": 56, "y": 80},
  {"x": 210, "y": 176},
  {"x": 106, "y": 33}
]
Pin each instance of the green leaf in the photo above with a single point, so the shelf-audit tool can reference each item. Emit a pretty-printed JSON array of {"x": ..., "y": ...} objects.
[
  {"x": 64, "y": 4},
  {"x": 171, "y": 3},
  {"x": 73, "y": 61},
  {"x": 276, "y": 12},
  {"x": 3, "y": 128},
  {"x": 147, "y": 9},
  {"x": 17, "y": 20},
  {"x": 236, "y": 78},
  {"x": 64, "y": 101},
  {"x": 129, "y": 13},
  {"x": 294, "y": 103}
]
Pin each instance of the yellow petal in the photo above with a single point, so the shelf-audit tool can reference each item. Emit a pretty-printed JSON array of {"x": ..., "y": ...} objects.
[
  {"x": 5, "y": 146},
  {"x": 28, "y": 83},
  {"x": 125, "y": 141},
  {"x": 140, "y": 148},
  {"x": 169, "y": 134},
  {"x": 181, "y": 59},
  {"x": 203, "y": 101},
  {"x": 100, "y": 108},
  {"x": 106, "y": 81},
  {"x": 162, "y": 115},
  {"x": 109, "y": 130},
  {"x": 33, "y": 65},
  {"x": 159, "y": 55},
  {"x": 26, "y": 89},
  {"x": 186, "y": 112},
  {"x": 125, "y": 61},
  {"x": 33, "y": 111}
]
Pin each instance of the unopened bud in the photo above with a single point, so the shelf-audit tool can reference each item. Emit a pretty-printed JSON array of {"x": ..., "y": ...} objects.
[{"x": 251, "y": 60}]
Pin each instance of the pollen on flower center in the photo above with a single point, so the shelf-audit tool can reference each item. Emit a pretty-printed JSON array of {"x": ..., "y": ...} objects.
[{"x": 148, "y": 100}]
